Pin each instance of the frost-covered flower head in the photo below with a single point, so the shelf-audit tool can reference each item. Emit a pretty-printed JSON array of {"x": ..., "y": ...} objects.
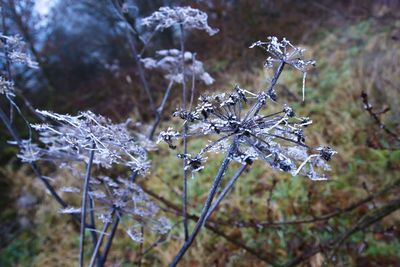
[
  {"x": 188, "y": 17},
  {"x": 284, "y": 51},
  {"x": 6, "y": 87},
  {"x": 130, "y": 202},
  {"x": 72, "y": 138},
  {"x": 16, "y": 50},
  {"x": 169, "y": 62},
  {"x": 276, "y": 138}
]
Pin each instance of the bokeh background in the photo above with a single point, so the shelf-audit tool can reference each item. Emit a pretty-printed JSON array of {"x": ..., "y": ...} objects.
[{"x": 86, "y": 64}]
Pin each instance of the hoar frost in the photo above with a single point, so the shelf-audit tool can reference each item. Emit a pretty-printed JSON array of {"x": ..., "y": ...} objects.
[
  {"x": 277, "y": 138},
  {"x": 284, "y": 51},
  {"x": 170, "y": 63},
  {"x": 71, "y": 138},
  {"x": 188, "y": 17}
]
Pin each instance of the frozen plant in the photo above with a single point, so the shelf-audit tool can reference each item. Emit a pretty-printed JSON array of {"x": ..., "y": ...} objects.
[
  {"x": 71, "y": 138},
  {"x": 6, "y": 87},
  {"x": 15, "y": 50},
  {"x": 183, "y": 18},
  {"x": 121, "y": 201},
  {"x": 276, "y": 138},
  {"x": 190, "y": 18},
  {"x": 169, "y": 62},
  {"x": 284, "y": 52},
  {"x": 236, "y": 123}
]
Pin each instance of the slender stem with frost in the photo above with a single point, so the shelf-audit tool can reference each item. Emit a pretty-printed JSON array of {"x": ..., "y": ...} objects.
[
  {"x": 160, "y": 110},
  {"x": 109, "y": 241},
  {"x": 207, "y": 205},
  {"x": 84, "y": 205},
  {"x": 185, "y": 130},
  {"x": 93, "y": 226},
  {"x": 136, "y": 55},
  {"x": 258, "y": 105},
  {"x": 100, "y": 241},
  {"x": 114, "y": 227},
  {"x": 226, "y": 189}
]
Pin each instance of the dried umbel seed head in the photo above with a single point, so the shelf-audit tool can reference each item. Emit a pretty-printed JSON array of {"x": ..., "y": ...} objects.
[
  {"x": 284, "y": 52},
  {"x": 170, "y": 63},
  {"x": 326, "y": 152},
  {"x": 16, "y": 51},
  {"x": 134, "y": 207},
  {"x": 188, "y": 17},
  {"x": 276, "y": 138},
  {"x": 71, "y": 138},
  {"x": 6, "y": 87},
  {"x": 169, "y": 136}
]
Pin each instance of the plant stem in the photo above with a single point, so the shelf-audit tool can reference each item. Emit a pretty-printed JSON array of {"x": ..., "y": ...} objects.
[
  {"x": 206, "y": 208},
  {"x": 136, "y": 56},
  {"x": 160, "y": 110},
  {"x": 84, "y": 205},
  {"x": 99, "y": 242},
  {"x": 109, "y": 241},
  {"x": 258, "y": 105},
  {"x": 93, "y": 226},
  {"x": 226, "y": 189},
  {"x": 114, "y": 228},
  {"x": 185, "y": 130}
]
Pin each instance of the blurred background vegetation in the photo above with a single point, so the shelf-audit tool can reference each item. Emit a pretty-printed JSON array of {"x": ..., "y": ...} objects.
[{"x": 86, "y": 63}]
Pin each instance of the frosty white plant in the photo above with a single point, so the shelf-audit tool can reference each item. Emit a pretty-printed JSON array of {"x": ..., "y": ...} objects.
[
  {"x": 6, "y": 87},
  {"x": 16, "y": 51},
  {"x": 185, "y": 18},
  {"x": 169, "y": 62},
  {"x": 236, "y": 124},
  {"x": 73, "y": 137},
  {"x": 127, "y": 199},
  {"x": 276, "y": 138},
  {"x": 284, "y": 52},
  {"x": 190, "y": 18}
]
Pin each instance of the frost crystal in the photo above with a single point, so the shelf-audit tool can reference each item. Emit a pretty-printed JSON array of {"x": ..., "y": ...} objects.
[
  {"x": 70, "y": 210},
  {"x": 276, "y": 138},
  {"x": 169, "y": 62},
  {"x": 73, "y": 137},
  {"x": 188, "y": 17},
  {"x": 70, "y": 189}
]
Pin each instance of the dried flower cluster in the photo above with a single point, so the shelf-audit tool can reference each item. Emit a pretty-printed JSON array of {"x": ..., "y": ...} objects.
[
  {"x": 15, "y": 50},
  {"x": 188, "y": 17},
  {"x": 169, "y": 62},
  {"x": 130, "y": 202},
  {"x": 284, "y": 51},
  {"x": 72, "y": 137},
  {"x": 6, "y": 87},
  {"x": 276, "y": 138}
]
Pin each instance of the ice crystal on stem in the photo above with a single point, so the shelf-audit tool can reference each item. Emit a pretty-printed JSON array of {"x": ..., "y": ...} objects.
[
  {"x": 188, "y": 17},
  {"x": 170, "y": 63}
]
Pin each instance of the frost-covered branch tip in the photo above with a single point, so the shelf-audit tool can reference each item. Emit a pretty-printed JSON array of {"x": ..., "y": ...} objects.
[
  {"x": 189, "y": 18},
  {"x": 276, "y": 138},
  {"x": 71, "y": 137},
  {"x": 284, "y": 51},
  {"x": 169, "y": 62}
]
